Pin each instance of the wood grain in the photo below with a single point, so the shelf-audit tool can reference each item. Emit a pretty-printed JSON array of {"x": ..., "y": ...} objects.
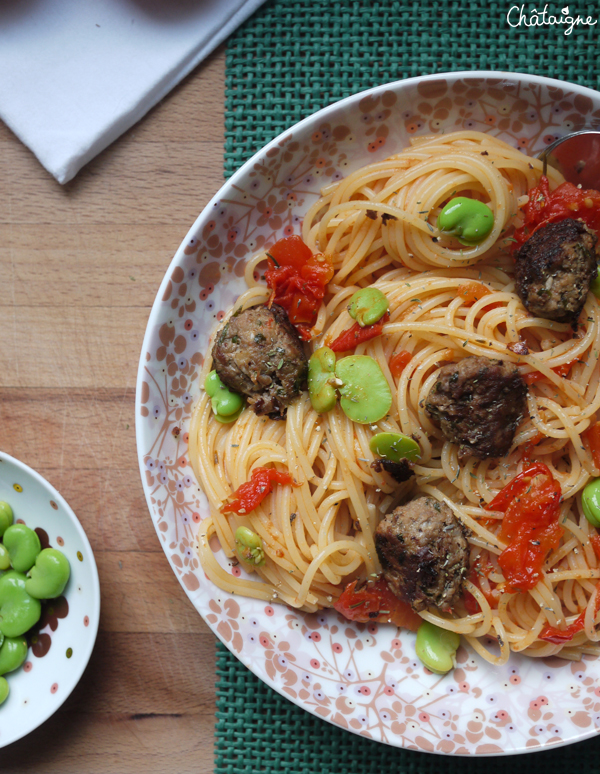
[{"x": 80, "y": 266}]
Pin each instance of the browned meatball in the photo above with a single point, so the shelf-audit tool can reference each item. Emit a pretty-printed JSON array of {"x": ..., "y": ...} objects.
[
  {"x": 259, "y": 354},
  {"x": 424, "y": 553},
  {"x": 554, "y": 269},
  {"x": 478, "y": 404}
]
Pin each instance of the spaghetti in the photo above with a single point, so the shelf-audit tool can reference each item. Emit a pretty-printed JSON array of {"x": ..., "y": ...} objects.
[{"x": 378, "y": 226}]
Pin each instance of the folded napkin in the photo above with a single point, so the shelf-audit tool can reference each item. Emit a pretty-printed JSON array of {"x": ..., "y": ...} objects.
[{"x": 75, "y": 74}]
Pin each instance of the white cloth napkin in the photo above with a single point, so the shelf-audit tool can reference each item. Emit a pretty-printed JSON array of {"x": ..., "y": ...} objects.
[{"x": 75, "y": 74}]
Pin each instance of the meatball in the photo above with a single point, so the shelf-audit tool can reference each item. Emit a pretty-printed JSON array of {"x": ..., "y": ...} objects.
[
  {"x": 259, "y": 354},
  {"x": 400, "y": 471},
  {"x": 424, "y": 553},
  {"x": 554, "y": 269},
  {"x": 478, "y": 404}
]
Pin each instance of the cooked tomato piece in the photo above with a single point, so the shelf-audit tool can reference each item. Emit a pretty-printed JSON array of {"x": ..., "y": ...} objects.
[
  {"x": 398, "y": 362},
  {"x": 471, "y": 292},
  {"x": 566, "y": 201},
  {"x": 593, "y": 438},
  {"x": 529, "y": 447},
  {"x": 251, "y": 493},
  {"x": 290, "y": 251},
  {"x": 531, "y": 506},
  {"x": 470, "y": 603},
  {"x": 492, "y": 595},
  {"x": 561, "y": 370},
  {"x": 508, "y": 493},
  {"x": 298, "y": 280},
  {"x": 351, "y": 338},
  {"x": 375, "y": 602},
  {"x": 560, "y": 636},
  {"x": 595, "y": 541},
  {"x": 522, "y": 560}
]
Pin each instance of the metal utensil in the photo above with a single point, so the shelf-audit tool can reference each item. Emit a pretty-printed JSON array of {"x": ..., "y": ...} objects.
[{"x": 576, "y": 157}]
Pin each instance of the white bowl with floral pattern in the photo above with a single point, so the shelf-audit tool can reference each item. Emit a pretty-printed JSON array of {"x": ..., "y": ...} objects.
[
  {"x": 364, "y": 678},
  {"x": 61, "y": 644}
]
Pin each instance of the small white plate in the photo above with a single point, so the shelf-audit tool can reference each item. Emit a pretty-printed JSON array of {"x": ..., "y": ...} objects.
[{"x": 68, "y": 628}]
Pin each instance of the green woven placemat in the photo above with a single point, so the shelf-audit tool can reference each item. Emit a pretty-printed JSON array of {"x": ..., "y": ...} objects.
[
  {"x": 290, "y": 59},
  {"x": 296, "y": 56}
]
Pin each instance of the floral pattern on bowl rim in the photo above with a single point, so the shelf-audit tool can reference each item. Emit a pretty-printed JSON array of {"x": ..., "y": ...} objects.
[
  {"x": 62, "y": 643},
  {"x": 364, "y": 678}
]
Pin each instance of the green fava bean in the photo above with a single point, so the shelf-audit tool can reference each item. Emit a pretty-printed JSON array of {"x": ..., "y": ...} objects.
[
  {"x": 468, "y": 219},
  {"x": 49, "y": 575},
  {"x": 595, "y": 285},
  {"x": 19, "y": 611},
  {"x": 226, "y": 404},
  {"x": 437, "y": 647},
  {"x": 590, "y": 501},
  {"x": 6, "y": 517},
  {"x": 23, "y": 546},
  {"x": 4, "y": 558},
  {"x": 365, "y": 393},
  {"x": 249, "y": 546},
  {"x": 395, "y": 447},
  {"x": 12, "y": 654},
  {"x": 4, "y": 690},
  {"x": 367, "y": 306},
  {"x": 321, "y": 371}
]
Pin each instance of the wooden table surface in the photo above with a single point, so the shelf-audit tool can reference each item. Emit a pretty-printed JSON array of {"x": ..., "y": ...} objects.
[{"x": 80, "y": 266}]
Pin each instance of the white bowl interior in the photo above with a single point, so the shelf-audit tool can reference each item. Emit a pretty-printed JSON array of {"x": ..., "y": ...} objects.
[{"x": 43, "y": 683}]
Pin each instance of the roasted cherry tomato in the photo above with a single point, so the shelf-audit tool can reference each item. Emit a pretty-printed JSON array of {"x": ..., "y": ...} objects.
[
  {"x": 298, "y": 280},
  {"x": 595, "y": 541},
  {"x": 531, "y": 506},
  {"x": 561, "y": 370},
  {"x": 398, "y": 362},
  {"x": 529, "y": 447},
  {"x": 251, "y": 493},
  {"x": 567, "y": 201},
  {"x": 471, "y": 292},
  {"x": 492, "y": 595},
  {"x": 373, "y": 601},
  {"x": 351, "y": 338},
  {"x": 560, "y": 636},
  {"x": 593, "y": 438}
]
